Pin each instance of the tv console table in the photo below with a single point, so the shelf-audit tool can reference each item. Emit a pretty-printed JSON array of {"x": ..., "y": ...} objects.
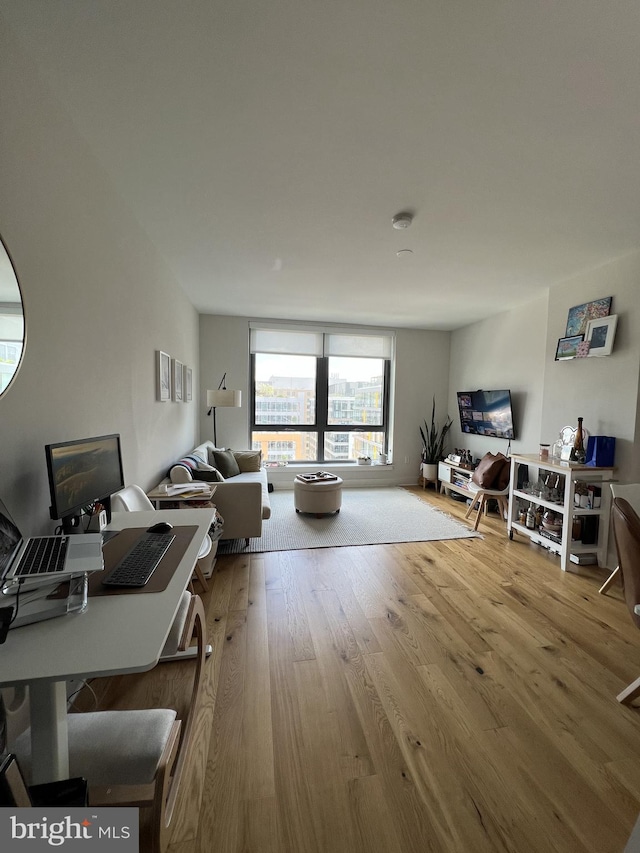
[{"x": 454, "y": 478}]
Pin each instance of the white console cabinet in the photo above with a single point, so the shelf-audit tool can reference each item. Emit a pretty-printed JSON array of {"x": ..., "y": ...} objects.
[
  {"x": 569, "y": 473},
  {"x": 454, "y": 478}
]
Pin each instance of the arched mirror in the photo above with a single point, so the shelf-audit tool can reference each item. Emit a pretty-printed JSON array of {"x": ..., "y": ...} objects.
[{"x": 12, "y": 335}]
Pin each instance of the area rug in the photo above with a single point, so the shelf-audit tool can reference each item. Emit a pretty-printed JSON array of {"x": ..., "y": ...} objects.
[{"x": 367, "y": 517}]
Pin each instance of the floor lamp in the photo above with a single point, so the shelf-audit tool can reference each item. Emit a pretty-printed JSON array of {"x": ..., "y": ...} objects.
[{"x": 222, "y": 399}]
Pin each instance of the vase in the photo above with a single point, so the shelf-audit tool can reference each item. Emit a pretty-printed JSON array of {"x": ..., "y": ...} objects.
[{"x": 429, "y": 472}]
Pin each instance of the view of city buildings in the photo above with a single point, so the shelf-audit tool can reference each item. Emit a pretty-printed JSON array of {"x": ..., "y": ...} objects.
[
  {"x": 287, "y": 401},
  {"x": 10, "y": 352}
]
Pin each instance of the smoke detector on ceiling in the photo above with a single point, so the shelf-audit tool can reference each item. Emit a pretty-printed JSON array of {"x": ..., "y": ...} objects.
[{"x": 402, "y": 220}]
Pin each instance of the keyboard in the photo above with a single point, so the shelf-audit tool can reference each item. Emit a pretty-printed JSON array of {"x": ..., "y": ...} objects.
[
  {"x": 43, "y": 556},
  {"x": 141, "y": 561}
]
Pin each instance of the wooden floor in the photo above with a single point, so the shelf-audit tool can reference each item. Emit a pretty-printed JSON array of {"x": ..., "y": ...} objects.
[{"x": 441, "y": 696}]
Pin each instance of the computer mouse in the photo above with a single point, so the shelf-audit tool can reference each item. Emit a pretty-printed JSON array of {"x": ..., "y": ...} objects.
[{"x": 160, "y": 527}]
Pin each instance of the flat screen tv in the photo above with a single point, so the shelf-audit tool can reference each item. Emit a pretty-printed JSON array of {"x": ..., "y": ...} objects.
[
  {"x": 486, "y": 413},
  {"x": 83, "y": 473}
]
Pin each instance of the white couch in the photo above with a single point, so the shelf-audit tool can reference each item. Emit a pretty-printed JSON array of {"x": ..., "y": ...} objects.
[{"x": 242, "y": 500}]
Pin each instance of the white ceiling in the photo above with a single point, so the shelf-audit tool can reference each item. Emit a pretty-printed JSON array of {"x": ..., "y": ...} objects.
[{"x": 264, "y": 145}]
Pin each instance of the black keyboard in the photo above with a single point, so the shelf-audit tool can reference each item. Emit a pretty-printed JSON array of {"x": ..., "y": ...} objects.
[
  {"x": 43, "y": 555},
  {"x": 141, "y": 561}
]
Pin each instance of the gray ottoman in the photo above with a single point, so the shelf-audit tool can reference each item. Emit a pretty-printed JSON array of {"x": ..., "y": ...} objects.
[{"x": 319, "y": 497}]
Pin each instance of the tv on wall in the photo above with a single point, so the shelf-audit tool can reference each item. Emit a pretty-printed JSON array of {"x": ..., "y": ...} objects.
[{"x": 486, "y": 413}]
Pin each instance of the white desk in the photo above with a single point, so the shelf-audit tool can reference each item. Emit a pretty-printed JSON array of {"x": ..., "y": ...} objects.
[{"x": 115, "y": 634}]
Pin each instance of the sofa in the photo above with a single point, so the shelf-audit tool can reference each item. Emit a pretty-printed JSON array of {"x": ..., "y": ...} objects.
[{"x": 242, "y": 495}]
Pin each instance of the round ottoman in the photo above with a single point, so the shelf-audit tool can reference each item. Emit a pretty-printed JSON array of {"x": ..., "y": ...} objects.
[{"x": 319, "y": 497}]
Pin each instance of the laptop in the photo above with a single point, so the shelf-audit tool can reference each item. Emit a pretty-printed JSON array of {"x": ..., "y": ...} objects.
[{"x": 45, "y": 558}]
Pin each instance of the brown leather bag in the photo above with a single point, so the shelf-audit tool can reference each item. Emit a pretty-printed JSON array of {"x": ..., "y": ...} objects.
[{"x": 493, "y": 472}]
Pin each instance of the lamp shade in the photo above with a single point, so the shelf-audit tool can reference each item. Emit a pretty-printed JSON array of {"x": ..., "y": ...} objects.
[{"x": 224, "y": 398}]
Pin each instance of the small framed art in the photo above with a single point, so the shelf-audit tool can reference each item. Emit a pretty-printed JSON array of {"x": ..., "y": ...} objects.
[
  {"x": 178, "y": 380},
  {"x": 188, "y": 384},
  {"x": 600, "y": 334},
  {"x": 580, "y": 315},
  {"x": 568, "y": 347},
  {"x": 163, "y": 376}
]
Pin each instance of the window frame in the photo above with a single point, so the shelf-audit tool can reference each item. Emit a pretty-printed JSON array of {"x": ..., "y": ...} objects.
[{"x": 321, "y": 426}]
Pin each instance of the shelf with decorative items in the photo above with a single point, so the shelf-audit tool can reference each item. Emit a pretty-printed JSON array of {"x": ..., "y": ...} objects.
[
  {"x": 573, "y": 499},
  {"x": 454, "y": 477}
]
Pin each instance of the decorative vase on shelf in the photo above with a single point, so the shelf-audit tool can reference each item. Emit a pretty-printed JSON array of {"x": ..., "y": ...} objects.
[{"x": 578, "y": 453}]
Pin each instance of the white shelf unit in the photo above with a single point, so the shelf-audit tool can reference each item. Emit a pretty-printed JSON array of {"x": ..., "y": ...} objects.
[
  {"x": 572, "y": 473},
  {"x": 454, "y": 478}
]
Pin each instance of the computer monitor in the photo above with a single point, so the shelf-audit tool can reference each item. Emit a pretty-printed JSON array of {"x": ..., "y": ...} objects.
[{"x": 83, "y": 473}]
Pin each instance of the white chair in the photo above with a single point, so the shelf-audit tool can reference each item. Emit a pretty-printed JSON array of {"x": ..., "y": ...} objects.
[
  {"x": 631, "y": 493},
  {"x": 136, "y": 758},
  {"x": 479, "y": 498}
]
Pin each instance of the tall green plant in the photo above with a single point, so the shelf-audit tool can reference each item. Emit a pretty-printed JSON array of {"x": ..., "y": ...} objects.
[{"x": 434, "y": 439}]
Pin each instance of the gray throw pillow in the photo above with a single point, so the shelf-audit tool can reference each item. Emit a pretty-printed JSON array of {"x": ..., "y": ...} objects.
[
  {"x": 226, "y": 463},
  {"x": 249, "y": 461}
]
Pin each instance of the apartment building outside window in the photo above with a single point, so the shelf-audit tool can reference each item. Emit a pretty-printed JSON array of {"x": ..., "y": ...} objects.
[
  {"x": 320, "y": 395},
  {"x": 11, "y": 341}
]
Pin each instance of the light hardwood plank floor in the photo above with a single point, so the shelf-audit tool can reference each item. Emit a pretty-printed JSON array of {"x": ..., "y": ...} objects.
[{"x": 440, "y": 696}]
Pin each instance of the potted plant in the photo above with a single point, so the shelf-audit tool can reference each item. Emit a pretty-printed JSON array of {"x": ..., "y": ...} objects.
[{"x": 433, "y": 442}]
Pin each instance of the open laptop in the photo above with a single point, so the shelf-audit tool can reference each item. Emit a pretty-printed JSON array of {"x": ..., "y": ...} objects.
[{"x": 45, "y": 558}]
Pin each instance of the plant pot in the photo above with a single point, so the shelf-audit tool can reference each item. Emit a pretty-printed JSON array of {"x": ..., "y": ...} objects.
[{"x": 429, "y": 472}]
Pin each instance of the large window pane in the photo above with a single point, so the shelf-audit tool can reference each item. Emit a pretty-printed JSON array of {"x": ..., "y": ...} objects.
[
  {"x": 350, "y": 445},
  {"x": 356, "y": 391},
  {"x": 286, "y": 446},
  {"x": 285, "y": 389}
]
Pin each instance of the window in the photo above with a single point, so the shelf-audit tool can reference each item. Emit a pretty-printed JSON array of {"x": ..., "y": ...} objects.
[
  {"x": 319, "y": 395},
  {"x": 11, "y": 338}
]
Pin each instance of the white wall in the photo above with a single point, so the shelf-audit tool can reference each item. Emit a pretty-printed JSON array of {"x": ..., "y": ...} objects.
[
  {"x": 504, "y": 351},
  {"x": 517, "y": 350},
  {"x": 422, "y": 370},
  {"x": 98, "y": 303},
  {"x": 604, "y": 391}
]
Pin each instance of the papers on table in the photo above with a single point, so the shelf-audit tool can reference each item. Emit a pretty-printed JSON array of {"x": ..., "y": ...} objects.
[{"x": 181, "y": 488}]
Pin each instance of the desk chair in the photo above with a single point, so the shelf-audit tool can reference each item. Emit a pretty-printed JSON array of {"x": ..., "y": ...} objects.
[
  {"x": 133, "y": 499},
  {"x": 631, "y": 493},
  {"x": 479, "y": 498},
  {"x": 136, "y": 758},
  {"x": 626, "y": 530}
]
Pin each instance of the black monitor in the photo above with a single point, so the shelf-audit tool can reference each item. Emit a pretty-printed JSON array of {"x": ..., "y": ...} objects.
[
  {"x": 81, "y": 474},
  {"x": 486, "y": 413}
]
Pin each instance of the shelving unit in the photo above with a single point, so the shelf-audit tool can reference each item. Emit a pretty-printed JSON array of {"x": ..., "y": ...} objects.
[
  {"x": 454, "y": 478},
  {"x": 571, "y": 473}
]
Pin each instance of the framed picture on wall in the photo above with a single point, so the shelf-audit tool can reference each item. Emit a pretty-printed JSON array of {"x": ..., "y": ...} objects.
[
  {"x": 188, "y": 385},
  {"x": 163, "y": 376},
  {"x": 568, "y": 347},
  {"x": 178, "y": 380},
  {"x": 600, "y": 334},
  {"x": 580, "y": 315}
]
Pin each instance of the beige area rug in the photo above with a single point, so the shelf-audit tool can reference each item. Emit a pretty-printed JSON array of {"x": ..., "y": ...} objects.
[{"x": 367, "y": 517}]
